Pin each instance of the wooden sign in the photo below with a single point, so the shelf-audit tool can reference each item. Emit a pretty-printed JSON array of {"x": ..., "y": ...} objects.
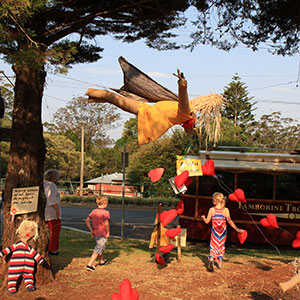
[
  {"x": 181, "y": 237},
  {"x": 24, "y": 200},
  {"x": 193, "y": 165}
]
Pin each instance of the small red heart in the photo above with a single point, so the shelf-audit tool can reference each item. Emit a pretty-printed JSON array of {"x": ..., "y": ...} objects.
[
  {"x": 242, "y": 236},
  {"x": 296, "y": 243},
  {"x": 155, "y": 174},
  {"x": 134, "y": 294},
  {"x": 264, "y": 222},
  {"x": 116, "y": 296},
  {"x": 181, "y": 179},
  {"x": 159, "y": 259},
  {"x": 166, "y": 249},
  {"x": 237, "y": 195},
  {"x": 171, "y": 233},
  {"x": 188, "y": 181},
  {"x": 166, "y": 217},
  {"x": 272, "y": 220},
  {"x": 180, "y": 207},
  {"x": 209, "y": 168}
]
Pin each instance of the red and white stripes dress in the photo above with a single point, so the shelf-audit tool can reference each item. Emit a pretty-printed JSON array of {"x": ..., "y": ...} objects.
[{"x": 218, "y": 235}]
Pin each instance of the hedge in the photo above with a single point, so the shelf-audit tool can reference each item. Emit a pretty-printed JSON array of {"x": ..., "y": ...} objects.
[{"x": 152, "y": 202}]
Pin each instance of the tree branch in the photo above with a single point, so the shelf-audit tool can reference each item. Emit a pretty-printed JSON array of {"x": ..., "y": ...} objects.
[{"x": 77, "y": 22}]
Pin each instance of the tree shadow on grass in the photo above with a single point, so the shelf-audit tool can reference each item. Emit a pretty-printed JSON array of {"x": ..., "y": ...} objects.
[{"x": 75, "y": 244}]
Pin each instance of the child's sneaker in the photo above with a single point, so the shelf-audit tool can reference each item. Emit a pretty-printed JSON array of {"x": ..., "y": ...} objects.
[
  {"x": 30, "y": 288},
  {"x": 219, "y": 264},
  {"x": 210, "y": 267},
  {"x": 90, "y": 268}
]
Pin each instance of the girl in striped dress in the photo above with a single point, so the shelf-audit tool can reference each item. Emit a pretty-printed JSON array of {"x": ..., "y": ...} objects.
[{"x": 218, "y": 214}]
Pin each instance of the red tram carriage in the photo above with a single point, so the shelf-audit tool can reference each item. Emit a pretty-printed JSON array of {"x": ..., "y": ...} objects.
[{"x": 271, "y": 183}]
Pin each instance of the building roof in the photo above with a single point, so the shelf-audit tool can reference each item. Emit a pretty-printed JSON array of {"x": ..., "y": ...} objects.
[{"x": 108, "y": 178}]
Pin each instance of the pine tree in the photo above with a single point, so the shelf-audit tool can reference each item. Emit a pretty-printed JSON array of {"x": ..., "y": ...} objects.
[{"x": 238, "y": 109}]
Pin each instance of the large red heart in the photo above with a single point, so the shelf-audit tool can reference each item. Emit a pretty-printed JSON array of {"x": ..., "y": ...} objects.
[
  {"x": 298, "y": 235},
  {"x": 159, "y": 259},
  {"x": 180, "y": 207},
  {"x": 272, "y": 220},
  {"x": 242, "y": 236},
  {"x": 155, "y": 174},
  {"x": 166, "y": 249},
  {"x": 171, "y": 233},
  {"x": 209, "y": 168},
  {"x": 237, "y": 195},
  {"x": 264, "y": 222},
  {"x": 296, "y": 243},
  {"x": 181, "y": 179},
  {"x": 166, "y": 217}
]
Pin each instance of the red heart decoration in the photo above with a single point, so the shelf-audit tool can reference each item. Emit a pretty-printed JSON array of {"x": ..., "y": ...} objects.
[
  {"x": 264, "y": 222},
  {"x": 125, "y": 289},
  {"x": 126, "y": 292},
  {"x": 171, "y": 233},
  {"x": 296, "y": 243},
  {"x": 180, "y": 207},
  {"x": 188, "y": 181},
  {"x": 166, "y": 249},
  {"x": 298, "y": 235},
  {"x": 189, "y": 123},
  {"x": 166, "y": 217},
  {"x": 116, "y": 296},
  {"x": 272, "y": 220},
  {"x": 155, "y": 174},
  {"x": 134, "y": 294},
  {"x": 181, "y": 179},
  {"x": 238, "y": 195},
  {"x": 159, "y": 259},
  {"x": 209, "y": 168},
  {"x": 242, "y": 236},
  {"x": 204, "y": 171}
]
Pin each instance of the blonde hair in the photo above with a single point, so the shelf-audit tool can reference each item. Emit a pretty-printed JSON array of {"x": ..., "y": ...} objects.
[
  {"x": 28, "y": 223},
  {"x": 218, "y": 198},
  {"x": 51, "y": 175},
  {"x": 102, "y": 201}
]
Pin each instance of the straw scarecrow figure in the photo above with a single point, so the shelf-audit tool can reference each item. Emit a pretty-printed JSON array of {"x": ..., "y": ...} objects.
[
  {"x": 23, "y": 257},
  {"x": 168, "y": 110}
]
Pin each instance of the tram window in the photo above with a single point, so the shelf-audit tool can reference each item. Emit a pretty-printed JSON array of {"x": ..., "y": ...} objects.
[
  {"x": 256, "y": 185},
  {"x": 288, "y": 187},
  {"x": 209, "y": 185}
]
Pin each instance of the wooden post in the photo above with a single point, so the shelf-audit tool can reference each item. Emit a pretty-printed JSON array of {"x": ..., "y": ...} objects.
[
  {"x": 158, "y": 226},
  {"x": 178, "y": 247}
]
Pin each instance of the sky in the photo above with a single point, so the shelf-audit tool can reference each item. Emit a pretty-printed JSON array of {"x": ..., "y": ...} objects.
[{"x": 271, "y": 80}]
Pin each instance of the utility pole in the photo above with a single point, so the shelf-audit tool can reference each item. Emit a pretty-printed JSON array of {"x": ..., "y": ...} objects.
[
  {"x": 123, "y": 191},
  {"x": 82, "y": 161}
]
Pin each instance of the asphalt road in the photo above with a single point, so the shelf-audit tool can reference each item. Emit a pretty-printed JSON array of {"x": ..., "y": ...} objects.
[{"x": 138, "y": 223}]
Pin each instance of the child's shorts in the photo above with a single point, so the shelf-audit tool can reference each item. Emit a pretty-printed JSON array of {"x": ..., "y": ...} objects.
[{"x": 100, "y": 244}]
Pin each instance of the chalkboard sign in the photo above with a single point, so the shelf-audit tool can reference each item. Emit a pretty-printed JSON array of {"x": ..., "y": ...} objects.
[{"x": 24, "y": 200}]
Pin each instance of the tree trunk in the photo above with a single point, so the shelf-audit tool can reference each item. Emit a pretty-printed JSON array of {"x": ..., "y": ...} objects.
[{"x": 26, "y": 163}]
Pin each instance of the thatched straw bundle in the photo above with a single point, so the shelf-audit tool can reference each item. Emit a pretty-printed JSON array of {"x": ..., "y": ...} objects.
[{"x": 207, "y": 110}]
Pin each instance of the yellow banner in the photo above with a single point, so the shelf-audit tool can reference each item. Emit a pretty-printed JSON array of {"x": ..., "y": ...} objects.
[{"x": 193, "y": 165}]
